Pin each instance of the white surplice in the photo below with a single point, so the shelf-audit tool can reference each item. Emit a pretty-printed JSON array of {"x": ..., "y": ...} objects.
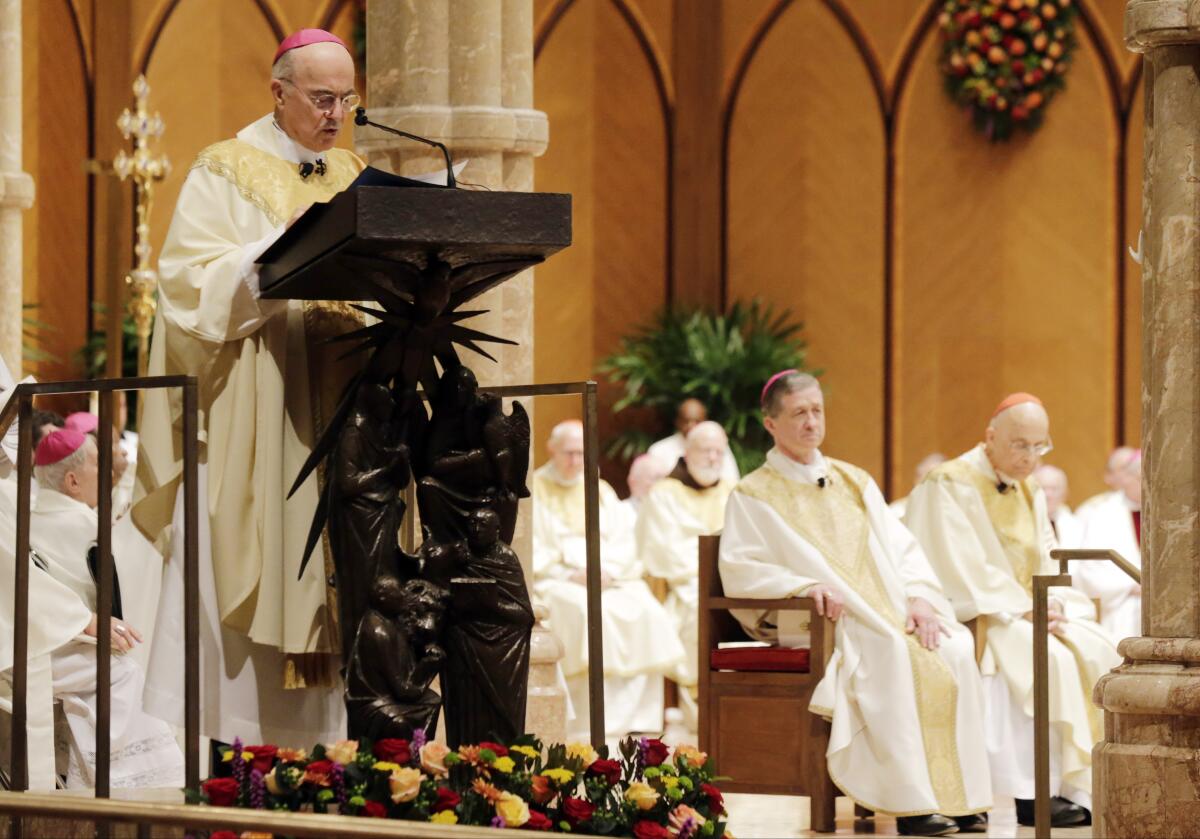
[
  {"x": 1068, "y": 530},
  {"x": 266, "y": 375},
  {"x": 986, "y": 536},
  {"x": 640, "y": 642},
  {"x": 907, "y": 723},
  {"x": 673, "y": 518},
  {"x": 667, "y": 451},
  {"x": 1107, "y": 522}
]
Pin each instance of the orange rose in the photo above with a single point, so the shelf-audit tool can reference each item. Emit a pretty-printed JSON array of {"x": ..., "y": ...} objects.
[
  {"x": 433, "y": 759},
  {"x": 692, "y": 756},
  {"x": 540, "y": 789}
]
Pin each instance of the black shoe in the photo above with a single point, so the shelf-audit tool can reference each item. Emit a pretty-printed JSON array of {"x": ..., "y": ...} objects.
[
  {"x": 932, "y": 825},
  {"x": 977, "y": 823},
  {"x": 1063, "y": 813}
]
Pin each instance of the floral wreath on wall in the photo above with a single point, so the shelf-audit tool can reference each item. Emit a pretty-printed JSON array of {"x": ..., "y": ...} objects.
[{"x": 1005, "y": 59}]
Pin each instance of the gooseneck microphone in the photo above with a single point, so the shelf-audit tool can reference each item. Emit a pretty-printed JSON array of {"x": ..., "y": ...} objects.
[{"x": 360, "y": 118}]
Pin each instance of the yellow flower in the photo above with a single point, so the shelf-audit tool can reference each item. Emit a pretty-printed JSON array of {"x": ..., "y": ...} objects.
[
  {"x": 444, "y": 817},
  {"x": 254, "y": 834},
  {"x": 405, "y": 784},
  {"x": 559, "y": 775},
  {"x": 692, "y": 756},
  {"x": 433, "y": 759},
  {"x": 386, "y": 766},
  {"x": 291, "y": 755},
  {"x": 228, "y": 756},
  {"x": 584, "y": 752},
  {"x": 504, "y": 764},
  {"x": 528, "y": 751},
  {"x": 512, "y": 809},
  {"x": 642, "y": 795},
  {"x": 343, "y": 751},
  {"x": 272, "y": 782},
  {"x": 670, "y": 781}
]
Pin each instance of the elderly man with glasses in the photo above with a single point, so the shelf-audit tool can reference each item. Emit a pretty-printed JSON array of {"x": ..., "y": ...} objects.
[
  {"x": 982, "y": 521},
  {"x": 268, "y": 377}
]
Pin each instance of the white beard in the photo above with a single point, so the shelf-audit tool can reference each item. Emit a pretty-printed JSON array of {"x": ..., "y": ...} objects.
[
  {"x": 706, "y": 476},
  {"x": 562, "y": 481}
]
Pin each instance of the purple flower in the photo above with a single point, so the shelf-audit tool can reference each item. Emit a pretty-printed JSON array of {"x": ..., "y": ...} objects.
[
  {"x": 238, "y": 764},
  {"x": 337, "y": 779},
  {"x": 499, "y": 823},
  {"x": 688, "y": 829},
  {"x": 418, "y": 739},
  {"x": 258, "y": 790}
]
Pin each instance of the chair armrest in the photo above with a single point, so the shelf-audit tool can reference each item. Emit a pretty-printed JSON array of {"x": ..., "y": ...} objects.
[{"x": 787, "y": 604}]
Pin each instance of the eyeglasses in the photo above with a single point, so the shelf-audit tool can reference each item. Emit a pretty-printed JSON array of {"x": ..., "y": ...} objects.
[
  {"x": 1039, "y": 449},
  {"x": 326, "y": 102}
]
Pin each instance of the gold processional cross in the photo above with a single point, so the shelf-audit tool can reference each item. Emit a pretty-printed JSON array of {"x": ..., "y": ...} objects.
[{"x": 145, "y": 169}]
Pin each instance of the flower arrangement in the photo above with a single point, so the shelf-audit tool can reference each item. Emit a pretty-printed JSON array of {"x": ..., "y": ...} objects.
[
  {"x": 1005, "y": 59},
  {"x": 650, "y": 792}
]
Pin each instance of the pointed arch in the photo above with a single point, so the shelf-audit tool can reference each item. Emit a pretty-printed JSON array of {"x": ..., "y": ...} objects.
[{"x": 158, "y": 22}]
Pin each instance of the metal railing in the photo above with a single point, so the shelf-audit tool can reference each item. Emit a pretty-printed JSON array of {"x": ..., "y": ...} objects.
[
  {"x": 1042, "y": 583},
  {"x": 20, "y": 407}
]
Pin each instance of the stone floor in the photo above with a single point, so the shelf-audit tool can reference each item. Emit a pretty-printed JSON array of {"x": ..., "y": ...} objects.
[{"x": 785, "y": 817}]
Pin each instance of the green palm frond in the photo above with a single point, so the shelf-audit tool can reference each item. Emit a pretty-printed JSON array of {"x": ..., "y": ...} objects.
[
  {"x": 721, "y": 359},
  {"x": 33, "y": 333}
]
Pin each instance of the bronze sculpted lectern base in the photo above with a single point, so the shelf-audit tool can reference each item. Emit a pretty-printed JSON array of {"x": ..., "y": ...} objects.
[{"x": 459, "y": 607}]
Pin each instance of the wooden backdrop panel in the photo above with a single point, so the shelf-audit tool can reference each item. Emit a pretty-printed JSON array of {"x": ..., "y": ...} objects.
[
  {"x": 805, "y": 221},
  {"x": 564, "y": 78},
  {"x": 608, "y": 148},
  {"x": 1005, "y": 271},
  {"x": 1132, "y": 397},
  {"x": 889, "y": 26},
  {"x": 56, "y": 228},
  {"x": 199, "y": 100},
  {"x": 741, "y": 22},
  {"x": 1110, "y": 18},
  {"x": 656, "y": 17}
]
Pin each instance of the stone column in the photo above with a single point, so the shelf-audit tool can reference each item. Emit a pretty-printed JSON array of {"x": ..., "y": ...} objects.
[
  {"x": 16, "y": 187},
  {"x": 461, "y": 72},
  {"x": 1145, "y": 776}
]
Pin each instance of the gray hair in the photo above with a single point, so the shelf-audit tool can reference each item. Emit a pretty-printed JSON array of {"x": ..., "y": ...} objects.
[
  {"x": 560, "y": 431},
  {"x": 52, "y": 475},
  {"x": 282, "y": 69},
  {"x": 781, "y": 387}
]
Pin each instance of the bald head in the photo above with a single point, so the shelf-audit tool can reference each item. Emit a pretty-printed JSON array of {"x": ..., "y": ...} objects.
[
  {"x": 644, "y": 472},
  {"x": 566, "y": 449},
  {"x": 1054, "y": 483},
  {"x": 1118, "y": 460},
  {"x": 1014, "y": 438},
  {"x": 301, "y": 78}
]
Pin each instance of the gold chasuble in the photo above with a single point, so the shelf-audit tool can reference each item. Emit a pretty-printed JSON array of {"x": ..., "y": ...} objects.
[
  {"x": 907, "y": 736},
  {"x": 986, "y": 536},
  {"x": 267, "y": 381}
]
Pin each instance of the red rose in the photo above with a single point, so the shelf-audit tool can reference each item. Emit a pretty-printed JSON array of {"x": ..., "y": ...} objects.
[
  {"x": 393, "y": 750},
  {"x": 223, "y": 834},
  {"x": 716, "y": 801},
  {"x": 447, "y": 799},
  {"x": 500, "y": 751},
  {"x": 373, "y": 810},
  {"x": 578, "y": 811},
  {"x": 645, "y": 829},
  {"x": 537, "y": 821},
  {"x": 264, "y": 757},
  {"x": 221, "y": 792},
  {"x": 656, "y": 752},
  {"x": 320, "y": 767},
  {"x": 610, "y": 770}
]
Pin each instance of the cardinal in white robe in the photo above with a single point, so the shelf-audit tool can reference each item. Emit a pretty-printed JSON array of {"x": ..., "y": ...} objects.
[
  {"x": 1114, "y": 521},
  {"x": 902, "y": 689},
  {"x": 982, "y": 521},
  {"x": 641, "y": 646},
  {"x": 268, "y": 382},
  {"x": 63, "y": 529},
  {"x": 668, "y": 450},
  {"x": 678, "y": 510},
  {"x": 1063, "y": 521},
  {"x": 644, "y": 472}
]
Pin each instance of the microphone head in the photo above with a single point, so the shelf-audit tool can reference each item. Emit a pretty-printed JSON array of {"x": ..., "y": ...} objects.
[{"x": 360, "y": 116}]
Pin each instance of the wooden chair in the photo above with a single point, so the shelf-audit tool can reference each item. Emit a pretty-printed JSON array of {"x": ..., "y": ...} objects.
[{"x": 756, "y": 725}]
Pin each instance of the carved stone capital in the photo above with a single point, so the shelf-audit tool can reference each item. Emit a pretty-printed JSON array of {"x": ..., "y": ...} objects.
[{"x": 1158, "y": 23}]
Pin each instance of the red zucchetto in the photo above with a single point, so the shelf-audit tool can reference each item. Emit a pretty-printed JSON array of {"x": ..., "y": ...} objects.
[
  {"x": 306, "y": 37},
  {"x": 1012, "y": 400}
]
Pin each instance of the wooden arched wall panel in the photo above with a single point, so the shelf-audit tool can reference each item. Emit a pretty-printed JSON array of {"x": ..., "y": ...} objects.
[
  {"x": 1005, "y": 273},
  {"x": 188, "y": 72},
  {"x": 608, "y": 147},
  {"x": 1132, "y": 397},
  {"x": 56, "y": 228},
  {"x": 805, "y": 211},
  {"x": 889, "y": 26}
]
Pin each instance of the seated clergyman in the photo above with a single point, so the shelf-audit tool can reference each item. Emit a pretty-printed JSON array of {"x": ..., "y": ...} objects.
[
  {"x": 902, "y": 689},
  {"x": 687, "y": 504},
  {"x": 640, "y": 643},
  {"x": 63, "y": 531},
  {"x": 983, "y": 523}
]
